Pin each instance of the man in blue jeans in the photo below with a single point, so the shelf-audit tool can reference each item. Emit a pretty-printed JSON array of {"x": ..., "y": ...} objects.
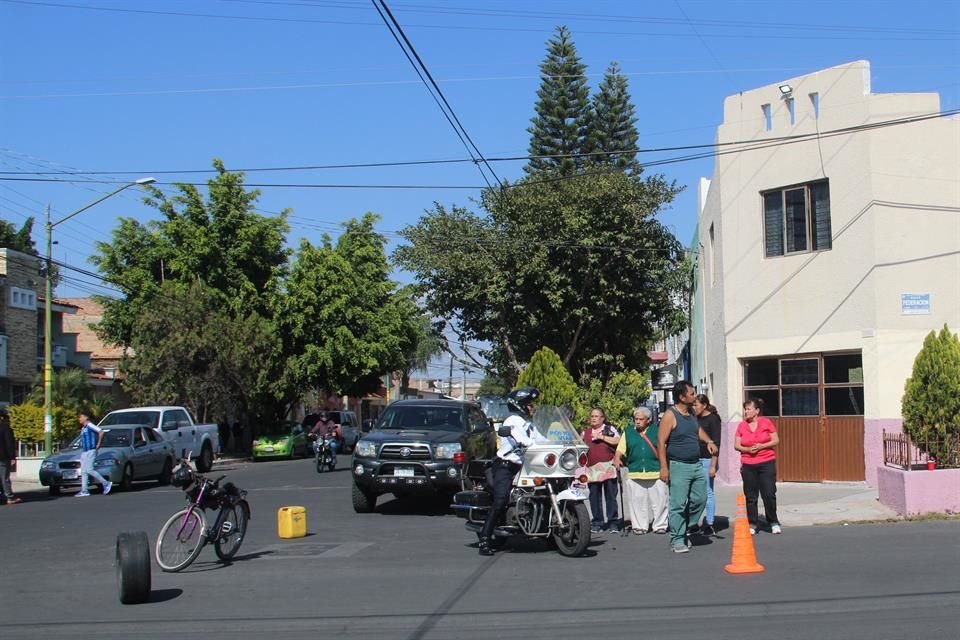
[
  {"x": 679, "y": 452},
  {"x": 90, "y": 437}
]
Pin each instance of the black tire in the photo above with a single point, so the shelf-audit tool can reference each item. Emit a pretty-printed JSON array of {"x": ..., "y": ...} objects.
[
  {"x": 205, "y": 461},
  {"x": 319, "y": 464},
  {"x": 332, "y": 462},
  {"x": 133, "y": 567},
  {"x": 573, "y": 536},
  {"x": 126, "y": 480},
  {"x": 363, "y": 502},
  {"x": 164, "y": 478},
  {"x": 228, "y": 543},
  {"x": 54, "y": 490},
  {"x": 176, "y": 549}
]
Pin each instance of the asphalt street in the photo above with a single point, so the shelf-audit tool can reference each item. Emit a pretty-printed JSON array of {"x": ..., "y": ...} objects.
[{"x": 411, "y": 571}]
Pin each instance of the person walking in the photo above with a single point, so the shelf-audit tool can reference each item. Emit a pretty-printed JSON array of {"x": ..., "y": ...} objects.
[
  {"x": 709, "y": 421},
  {"x": 646, "y": 495},
  {"x": 90, "y": 437},
  {"x": 680, "y": 469},
  {"x": 602, "y": 440},
  {"x": 756, "y": 438},
  {"x": 8, "y": 458}
]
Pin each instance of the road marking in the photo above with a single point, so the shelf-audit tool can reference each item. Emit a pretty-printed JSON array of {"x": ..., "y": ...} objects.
[{"x": 311, "y": 550}]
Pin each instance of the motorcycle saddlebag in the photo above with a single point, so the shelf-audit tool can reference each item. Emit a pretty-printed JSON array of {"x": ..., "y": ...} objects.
[
  {"x": 477, "y": 469},
  {"x": 472, "y": 499}
]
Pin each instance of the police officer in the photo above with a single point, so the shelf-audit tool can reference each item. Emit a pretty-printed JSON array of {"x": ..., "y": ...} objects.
[{"x": 516, "y": 434}]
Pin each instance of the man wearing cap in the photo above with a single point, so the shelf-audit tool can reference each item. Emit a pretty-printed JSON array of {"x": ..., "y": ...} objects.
[{"x": 8, "y": 457}]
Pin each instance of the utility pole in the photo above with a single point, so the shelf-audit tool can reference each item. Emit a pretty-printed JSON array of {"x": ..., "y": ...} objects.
[
  {"x": 463, "y": 389},
  {"x": 450, "y": 382}
]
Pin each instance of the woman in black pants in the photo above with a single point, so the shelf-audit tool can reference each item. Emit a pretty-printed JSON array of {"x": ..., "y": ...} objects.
[{"x": 756, "y": 439}]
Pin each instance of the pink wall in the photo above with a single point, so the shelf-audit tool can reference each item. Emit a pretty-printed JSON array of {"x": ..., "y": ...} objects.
[
  {"x": 916, "y": 492},
  {"x": 873, "y": 429}
]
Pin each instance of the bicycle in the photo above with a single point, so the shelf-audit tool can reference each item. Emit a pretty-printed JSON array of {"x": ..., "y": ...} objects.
[{"x": 185, "y": 533}]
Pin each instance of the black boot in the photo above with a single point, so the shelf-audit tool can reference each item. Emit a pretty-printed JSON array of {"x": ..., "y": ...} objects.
[{"x": 485, "y": 548}]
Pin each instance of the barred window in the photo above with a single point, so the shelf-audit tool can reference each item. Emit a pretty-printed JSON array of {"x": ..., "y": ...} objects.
[{"x": 797, "y": 219}]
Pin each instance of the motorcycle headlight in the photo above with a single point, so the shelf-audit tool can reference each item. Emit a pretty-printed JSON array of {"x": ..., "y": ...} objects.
[
  {"x": 366, "y": 449},
  {"x": 48, "y": 464},
  {"x": 568, "y": 460},
  {"x": 445, "y": 451}
]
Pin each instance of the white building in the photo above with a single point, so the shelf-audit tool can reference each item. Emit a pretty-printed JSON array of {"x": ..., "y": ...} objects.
[{"x": 829, "y": 248}]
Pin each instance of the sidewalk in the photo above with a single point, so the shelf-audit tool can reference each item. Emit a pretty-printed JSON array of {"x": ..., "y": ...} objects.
[{"x": 809, "y": 503}]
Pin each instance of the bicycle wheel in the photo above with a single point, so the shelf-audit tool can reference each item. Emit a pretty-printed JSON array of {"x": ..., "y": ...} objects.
[
  {"x": 232, "y": 530},
  {"x": 181, "y": 539}
]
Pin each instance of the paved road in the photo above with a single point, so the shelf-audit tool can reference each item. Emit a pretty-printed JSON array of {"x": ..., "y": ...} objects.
[{"x": 412, "y": 572}]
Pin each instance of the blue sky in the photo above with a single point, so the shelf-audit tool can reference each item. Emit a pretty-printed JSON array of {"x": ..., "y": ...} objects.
[{"x": 135, "y": 88}]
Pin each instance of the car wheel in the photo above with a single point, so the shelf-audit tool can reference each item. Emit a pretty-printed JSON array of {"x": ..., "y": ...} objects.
[
  {"x": 205, "y": 461},
  {"x": 126, "y": 482},
  {"x": 164, "y": 477},
  {"x": 363, "y": 502},
  {"x": 54, "y": 490}
]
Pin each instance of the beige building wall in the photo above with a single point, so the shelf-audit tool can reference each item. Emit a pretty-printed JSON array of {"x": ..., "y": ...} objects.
[
  {"x": 19, "y": 270},
  {"x": 894, "y": 203}
]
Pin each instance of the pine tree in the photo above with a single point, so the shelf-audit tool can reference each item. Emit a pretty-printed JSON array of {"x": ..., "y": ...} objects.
[
  {"x": 546, "y": 372},
  {"x": 931, "y": 400},
  {"x": 562, "y": 110},
  {"x": 612, "y": 132}
]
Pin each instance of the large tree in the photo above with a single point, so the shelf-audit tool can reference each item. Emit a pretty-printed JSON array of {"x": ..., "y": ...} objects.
[
  {"x": 345, "y": 322},
  {"x": 559, "y": 127},
  {"x": 580, "y": 265},
  {"x": 218, "y": 239},
  {"x": 612, "y": 132}
]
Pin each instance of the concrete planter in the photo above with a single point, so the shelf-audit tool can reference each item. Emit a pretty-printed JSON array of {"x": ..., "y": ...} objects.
[
  {"x": 28, "y": 469},
  {"x": 921, "y": 491}
]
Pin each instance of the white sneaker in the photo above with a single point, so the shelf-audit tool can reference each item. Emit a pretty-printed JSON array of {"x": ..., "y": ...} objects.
[
  {"x": 107, "y": 487},
  {"x": 775, "y": 528},
  {"x": 81, "y": 494},
  {"x": 753, "y": 531}
]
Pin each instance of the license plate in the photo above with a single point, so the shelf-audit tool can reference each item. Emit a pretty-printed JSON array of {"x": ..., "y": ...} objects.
[
  {"x": 406, "y": 472},
  {"x": 268, "y": 449},
  {"x": 70, "y": 474}
]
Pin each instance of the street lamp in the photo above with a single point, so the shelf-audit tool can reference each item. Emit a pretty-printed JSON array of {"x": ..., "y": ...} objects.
[{"x": 48, "y": 319}]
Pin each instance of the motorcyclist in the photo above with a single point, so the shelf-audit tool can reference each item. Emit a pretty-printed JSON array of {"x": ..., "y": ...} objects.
[
  {"x": 517, "y": 433},
  {"x": 324, "y": 427}
]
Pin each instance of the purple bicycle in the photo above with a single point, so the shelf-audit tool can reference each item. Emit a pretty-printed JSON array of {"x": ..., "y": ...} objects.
[{"x": 185, "y": 533}]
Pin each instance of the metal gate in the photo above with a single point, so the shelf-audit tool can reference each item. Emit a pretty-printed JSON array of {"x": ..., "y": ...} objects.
[{"x": 816, "y": 449}]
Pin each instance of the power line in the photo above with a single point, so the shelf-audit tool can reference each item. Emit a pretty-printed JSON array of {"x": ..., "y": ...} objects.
[
  {"x": 517, "y": 158},
  {"x": 433, "y": 88}
]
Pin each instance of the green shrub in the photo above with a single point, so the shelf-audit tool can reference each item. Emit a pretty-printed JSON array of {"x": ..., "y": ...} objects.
[
  {"x": 26, "y": 420},
  {"x": 624, "y": 391},
  {"x": 931, "y": 399},
  {"x": 546, "y": 372}
]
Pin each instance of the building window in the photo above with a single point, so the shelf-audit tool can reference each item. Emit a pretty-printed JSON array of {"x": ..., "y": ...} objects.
[
  {"x": 791, "y": 109},
  {"x": 23, "y": 298},
  {"x": 815, "y": 102},
  {"x": 713, "y": 258},
  {"x": 797, "y": 219},
  {"x": 767, "y": 117},
  {"x": 807, "y": 385}
]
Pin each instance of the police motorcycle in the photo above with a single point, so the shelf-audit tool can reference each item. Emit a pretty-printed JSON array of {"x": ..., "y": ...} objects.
[{"x": 548, "y": 495}]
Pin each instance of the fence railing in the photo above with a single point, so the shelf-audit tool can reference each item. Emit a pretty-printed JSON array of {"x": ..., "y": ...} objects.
[{"x": 903, "y": 452}]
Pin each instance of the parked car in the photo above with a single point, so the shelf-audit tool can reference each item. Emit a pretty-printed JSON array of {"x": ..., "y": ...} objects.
[
  {"x": 127, "y": 454},
  {"x": 495, "y": 408},
  {"x": 177, "y": 426},
  {"x": 411, "y": 450},
  {"x": 284, "y": 440},
  {"x": 349, "y": 428}
]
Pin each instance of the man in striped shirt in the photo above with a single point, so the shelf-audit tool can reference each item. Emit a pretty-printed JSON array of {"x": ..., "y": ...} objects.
[{"x": 90, "y": 437}]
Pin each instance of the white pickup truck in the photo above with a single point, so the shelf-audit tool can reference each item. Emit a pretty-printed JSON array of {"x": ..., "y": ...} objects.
[{"x": 177, "y": 426}]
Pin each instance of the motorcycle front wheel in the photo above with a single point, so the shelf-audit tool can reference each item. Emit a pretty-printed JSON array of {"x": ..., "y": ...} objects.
[{"x": 573, "y": 533}]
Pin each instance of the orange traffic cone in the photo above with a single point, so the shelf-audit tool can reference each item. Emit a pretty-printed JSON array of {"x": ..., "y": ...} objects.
[{"x": 743, "y": 559}]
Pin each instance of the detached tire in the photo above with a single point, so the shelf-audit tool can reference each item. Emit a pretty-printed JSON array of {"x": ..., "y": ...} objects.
[{"x": 133, "y": 567}]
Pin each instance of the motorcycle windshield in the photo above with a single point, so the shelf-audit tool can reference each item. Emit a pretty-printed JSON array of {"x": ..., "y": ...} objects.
[{"x": 555, "y": 426}]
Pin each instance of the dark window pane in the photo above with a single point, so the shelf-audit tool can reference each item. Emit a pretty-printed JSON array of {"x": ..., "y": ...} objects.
[
  {"x": 799, "y": 371},
  {"x": 760, "y": 373},
  {"x": 804, "y": 401},
  {"x": 773, "y": 223},
  {"x": 820, "y": 199},
  {"x": 843, "y": 401},
  {"x": 796, "y": 216},
  {"x": 843, "y": 368},
  {"x": 770, "y": 397}
]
